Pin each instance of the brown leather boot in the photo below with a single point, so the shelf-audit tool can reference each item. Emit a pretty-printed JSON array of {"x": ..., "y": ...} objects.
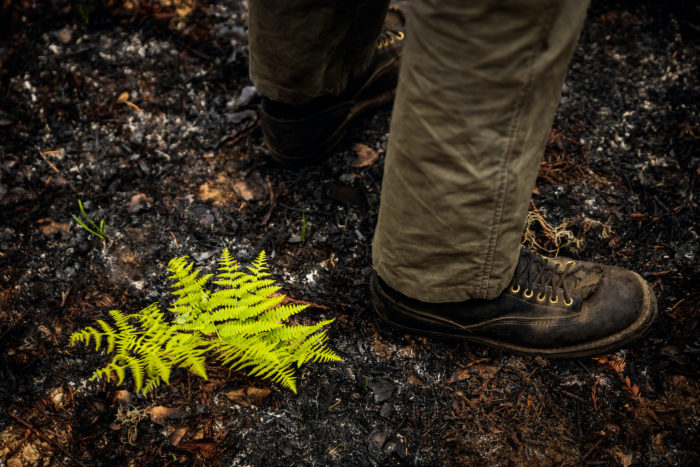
[
  {"x": 555, "y": 307},
  {"x": 300, "y": 134}
]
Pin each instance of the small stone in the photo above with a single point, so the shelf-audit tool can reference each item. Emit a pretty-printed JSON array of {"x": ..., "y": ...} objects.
[
  {"x": 248, "y": 93},
  {"x": 378, "y": 438},
  {"x": 347, "y": 178},
  {"x": 382, "y": 390},
  {"x": 244, "y": 255},
  {"x": 386, "y": 410},
  {"x": 294, "y": 239},
  {"x": 64, "y": 35},
  {"x": 207, "y": 219},
  {"x": 57, "y": 395}
]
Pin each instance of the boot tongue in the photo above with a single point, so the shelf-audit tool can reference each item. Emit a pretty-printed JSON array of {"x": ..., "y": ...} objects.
[{"x": 583, "y": 280}]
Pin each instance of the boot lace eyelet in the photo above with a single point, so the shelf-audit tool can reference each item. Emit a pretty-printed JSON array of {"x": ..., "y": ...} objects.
[
  {"x": 525, "y": 294},
  {"x": 569, "y": 302},
  {"x": 541, "y": 297},
  {"x": 388, "y": 37},
  {"x": 514, "y": 290},
  {"x": 556, "y": 299}
]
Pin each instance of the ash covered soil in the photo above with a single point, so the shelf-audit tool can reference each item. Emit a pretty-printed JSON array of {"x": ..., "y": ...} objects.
[{"x": 176, "y": 166}]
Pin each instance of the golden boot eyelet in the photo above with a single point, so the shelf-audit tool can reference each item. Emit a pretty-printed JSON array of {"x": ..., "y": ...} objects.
[
  {"x": 528, "y": 296},
  {"x": 400, "y": 35},
  {"x": 515, "y": 290},
  {"x": 544, "y": 297},
  {"x": 556, "y": 299},
  {"x": 569, "y": 302}
]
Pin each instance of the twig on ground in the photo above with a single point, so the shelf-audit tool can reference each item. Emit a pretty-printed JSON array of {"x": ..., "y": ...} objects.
[{"x": 44, "y": 438}]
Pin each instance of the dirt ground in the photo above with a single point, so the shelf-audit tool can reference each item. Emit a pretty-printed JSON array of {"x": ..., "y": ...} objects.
[{"x": 176, "y": 166}]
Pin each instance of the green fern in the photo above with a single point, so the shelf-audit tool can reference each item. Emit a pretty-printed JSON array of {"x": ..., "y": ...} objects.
[{"x": 242, "y": 324}]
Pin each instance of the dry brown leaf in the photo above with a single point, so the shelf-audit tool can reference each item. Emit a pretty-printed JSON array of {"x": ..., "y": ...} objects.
[
  {"x": 49, "y": 226},
  {"x": 383, "y": 349},
  {"x": 160, "y": 414},
  {"x": 366, "y": 156},
  {"x": 176, "y": 436},
  {"x": 207, "y": 193},
  {"x": 237, "y": 396},
  {"x": 245, "y": 190},
  {"x": 183, "y": 8},
  {"x": 415, "y": 380},
  {"x": 205, "y": 449},
  {"x": 246, "y": 397},
  {"x": 460, "y": 374},
  {"x": 257, "y": 395},
  {"x": 123, "y": 397},
  {"x": 487, "y": 371},
  {"x": 624, "y": 459}
]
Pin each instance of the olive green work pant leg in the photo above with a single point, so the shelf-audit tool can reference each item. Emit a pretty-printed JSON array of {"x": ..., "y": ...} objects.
[
  {"x": 304, "y": 49},
  {"x": 478, "y": 88}
]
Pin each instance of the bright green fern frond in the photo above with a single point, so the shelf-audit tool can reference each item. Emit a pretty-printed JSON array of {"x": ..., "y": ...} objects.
[
  {"x": 314, "y": 348},
  {"x": 226, "y": 263},
  {"x": 248, "y": 328},
  {"x": 106, "y": 373},
  {"x": 242, "y": 323},
  {"x": 259, "y": 267},
  {"x": 137, "y": 371},
  {"x": 85, "y": 335},
  {"x": 295, "y": 335},
  {"x": 282, "y": 313}
]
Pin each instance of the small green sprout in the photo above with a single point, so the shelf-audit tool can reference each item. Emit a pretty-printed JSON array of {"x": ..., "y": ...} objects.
[
  {"x": 98, "y": 231},
  {"x": 303, "y": 227},
  {"x": 84, "y": 11}
]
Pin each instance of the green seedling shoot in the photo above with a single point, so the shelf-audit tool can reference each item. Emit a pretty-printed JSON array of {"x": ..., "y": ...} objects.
[
  {"x": 97, "y": 231},
  {"x": 303, "y": 227}
]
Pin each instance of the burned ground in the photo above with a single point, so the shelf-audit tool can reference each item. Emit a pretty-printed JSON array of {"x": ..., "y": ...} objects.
[{"x": 176, "y": 166}]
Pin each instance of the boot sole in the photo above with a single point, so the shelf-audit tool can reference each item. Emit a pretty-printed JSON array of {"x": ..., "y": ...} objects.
[{"x": 393, "y": 315}]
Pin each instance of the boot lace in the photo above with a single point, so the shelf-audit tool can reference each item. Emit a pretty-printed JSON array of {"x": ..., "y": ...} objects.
[
  {"x": 388, "y": 37},
  {"x": 538, "y": 273}
]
